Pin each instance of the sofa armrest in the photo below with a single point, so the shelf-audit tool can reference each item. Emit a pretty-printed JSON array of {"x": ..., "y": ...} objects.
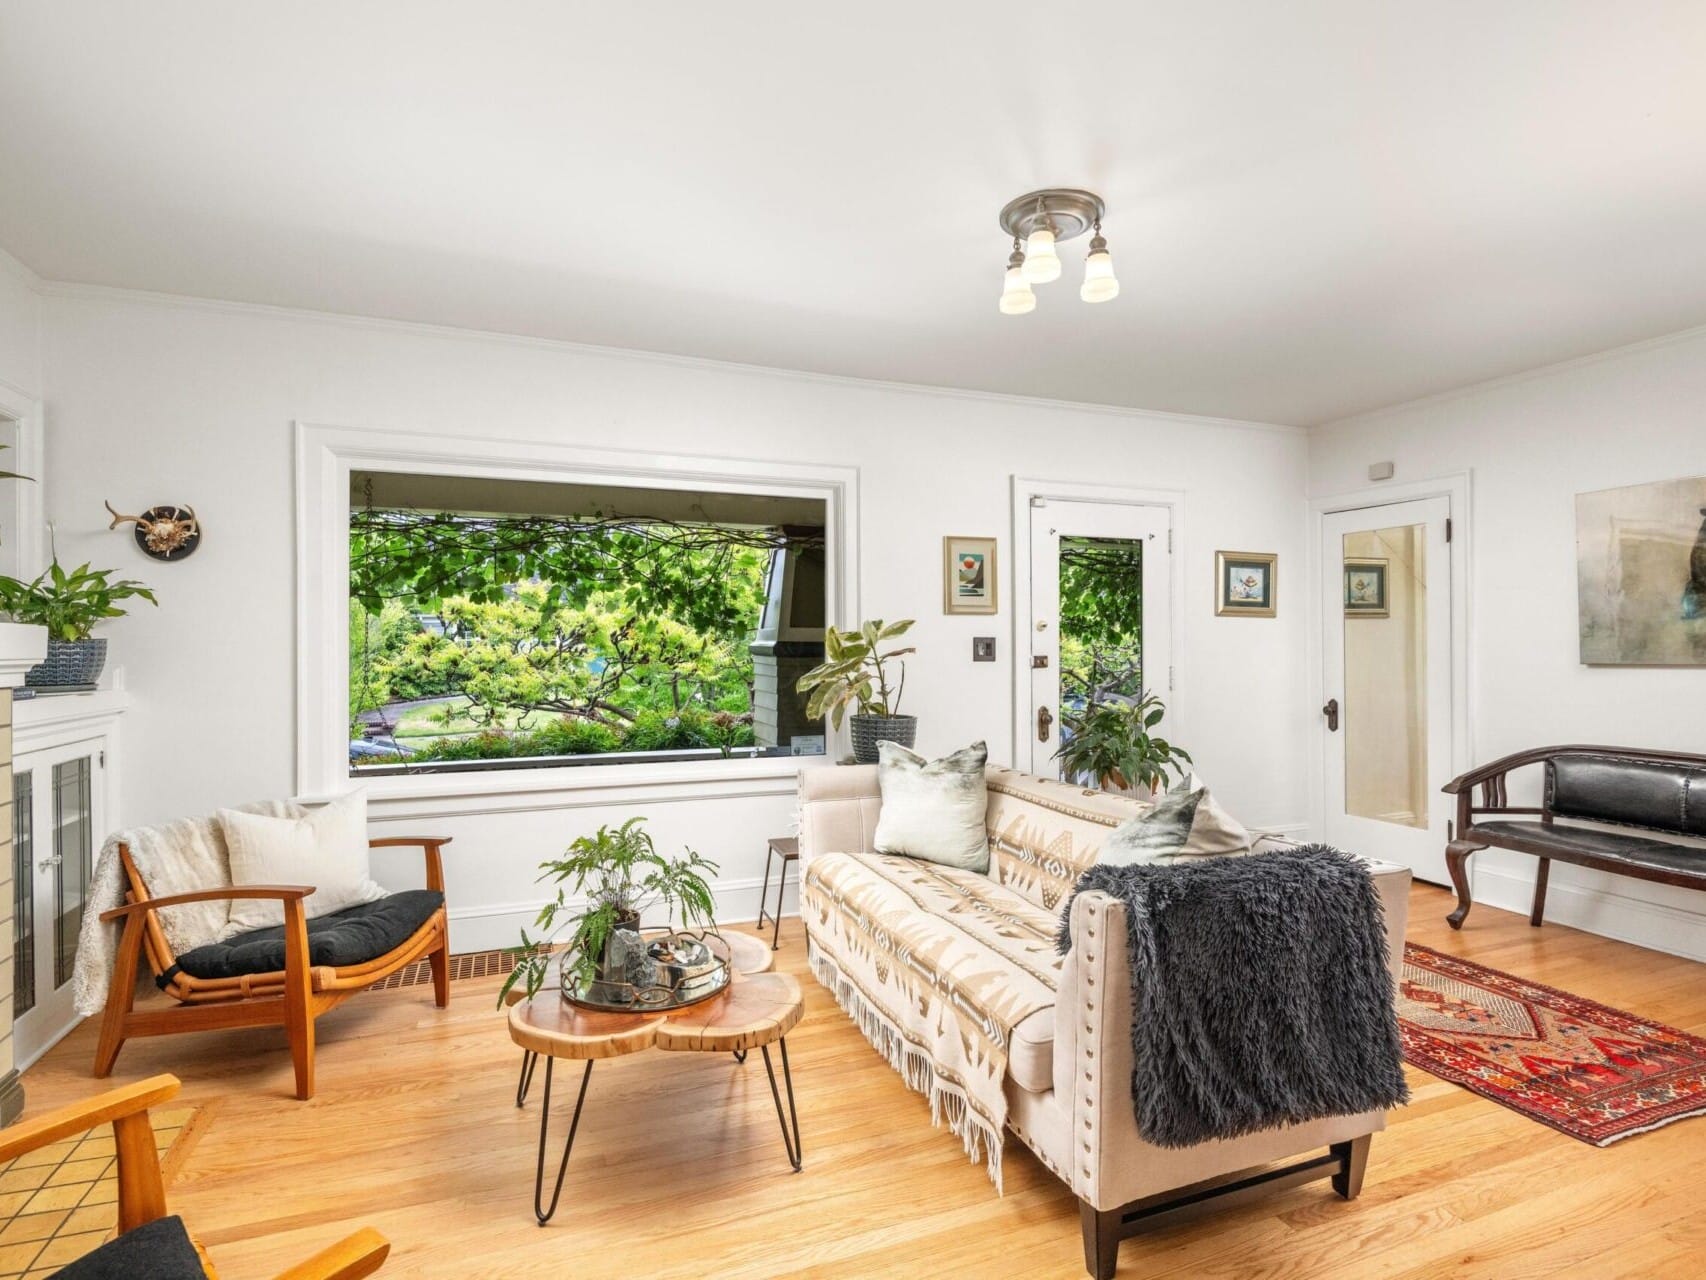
[
  {"x": 1093, "y": 1055},
  {"x": 839, "y": 805}
]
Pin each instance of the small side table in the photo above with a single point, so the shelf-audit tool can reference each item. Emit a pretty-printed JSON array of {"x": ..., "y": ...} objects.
[{"x": 788, "y": 849}]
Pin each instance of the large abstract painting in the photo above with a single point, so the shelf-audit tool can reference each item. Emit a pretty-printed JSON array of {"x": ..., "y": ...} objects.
[{"x": 1641, "y": 573}]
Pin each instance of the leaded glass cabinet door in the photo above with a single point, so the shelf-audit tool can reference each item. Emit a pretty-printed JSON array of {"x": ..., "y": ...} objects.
[{"x": 58, "y": 823}]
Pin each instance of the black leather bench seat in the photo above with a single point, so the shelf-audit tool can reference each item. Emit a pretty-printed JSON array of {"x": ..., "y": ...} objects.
[
  {"x": 1560, "y": 840},
  {"x": 353, "y": 936}
]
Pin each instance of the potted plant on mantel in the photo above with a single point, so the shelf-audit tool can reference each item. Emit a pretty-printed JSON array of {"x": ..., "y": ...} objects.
[
  {"x": 69, "y": 605},
  {"x": 856, "y": 674},
  {"x": 1111, "y": 744},
  {"x": 605, "y": 881}
]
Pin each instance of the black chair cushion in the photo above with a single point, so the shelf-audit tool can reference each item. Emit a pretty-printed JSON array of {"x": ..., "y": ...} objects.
[
  {"x": 1657, "y": 795},
  {"x": 160, "y": 1250},
  {"x": 1638, "y": 851},
  {"x": 353, "y": 936}
]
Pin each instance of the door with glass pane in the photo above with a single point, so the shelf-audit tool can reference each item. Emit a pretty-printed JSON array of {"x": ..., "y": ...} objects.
[
  {"x": 1099, "y": 624},
  {"x": 1386, "y": 645},
  {"x": 57, "y": 814}
]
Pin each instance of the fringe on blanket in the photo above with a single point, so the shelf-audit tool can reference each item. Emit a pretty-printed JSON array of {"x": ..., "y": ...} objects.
[{"x": 947, "y": 1100}]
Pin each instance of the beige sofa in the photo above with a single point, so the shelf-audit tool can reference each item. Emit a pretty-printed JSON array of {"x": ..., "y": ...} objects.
[{"x": 1068, "y": 1071}]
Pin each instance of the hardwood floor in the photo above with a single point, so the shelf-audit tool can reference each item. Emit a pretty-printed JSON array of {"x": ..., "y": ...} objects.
[{"x": 679, "y": 1169}]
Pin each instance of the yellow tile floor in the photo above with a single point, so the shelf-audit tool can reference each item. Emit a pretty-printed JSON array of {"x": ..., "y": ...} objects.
[{"x": 60, "y": 1202}]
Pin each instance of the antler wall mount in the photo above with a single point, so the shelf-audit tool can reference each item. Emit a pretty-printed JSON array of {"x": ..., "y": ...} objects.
[{"x": 164, "y": 532}]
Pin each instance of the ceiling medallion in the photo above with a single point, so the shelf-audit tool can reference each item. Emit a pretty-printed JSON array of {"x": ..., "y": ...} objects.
[{"x": 1038, "y": 221}]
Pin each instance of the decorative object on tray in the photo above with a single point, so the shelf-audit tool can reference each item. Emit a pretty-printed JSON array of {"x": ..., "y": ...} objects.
[
  {"x": 1109, "y": 743},
  {"x": 856, "y": 674},
  {"x": 1365, "y": 588},
  {"x": 70, "y": 605},
  {"x": 1246, "y": 584},
  {"x": 1641, "y": 574},
  {"x": 1588, "y": 1070},
  {"x": 969, "y": 575},
  {"x": 165, "y": 532},
  {"x": 616, "y": 873}
]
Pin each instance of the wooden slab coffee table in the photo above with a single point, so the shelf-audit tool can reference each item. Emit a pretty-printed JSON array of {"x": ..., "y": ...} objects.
[{"x": 757, "y": 1010}]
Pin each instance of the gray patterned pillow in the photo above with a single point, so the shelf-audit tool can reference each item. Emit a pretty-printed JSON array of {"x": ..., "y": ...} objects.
[
  {"x": 933, "y": 809},
  {"x": 1185, "y": 822}
]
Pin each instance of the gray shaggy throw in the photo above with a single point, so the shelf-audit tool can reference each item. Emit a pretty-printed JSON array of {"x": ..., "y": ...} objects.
[{"x": 1261, "y": 990}]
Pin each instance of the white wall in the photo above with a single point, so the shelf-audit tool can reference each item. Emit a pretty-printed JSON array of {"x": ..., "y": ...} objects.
[
  {"x": 1531, "y": 444},
  {"x": 156, "y": 401}
]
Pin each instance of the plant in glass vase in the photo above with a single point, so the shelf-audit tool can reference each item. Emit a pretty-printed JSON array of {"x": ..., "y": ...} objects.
[
  {"x": 855, "y": 673},
  {"x": 1110, "y": 743},
  {"x": 605, "y": 881}
]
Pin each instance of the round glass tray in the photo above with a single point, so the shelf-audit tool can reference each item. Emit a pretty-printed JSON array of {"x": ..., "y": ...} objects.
[{"x": 674, "y": 971}]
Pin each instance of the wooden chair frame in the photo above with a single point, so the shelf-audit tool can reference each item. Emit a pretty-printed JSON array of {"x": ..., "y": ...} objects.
[
  {"x": 142, "y": 1190},
  {"x": 292, "y": 997}
]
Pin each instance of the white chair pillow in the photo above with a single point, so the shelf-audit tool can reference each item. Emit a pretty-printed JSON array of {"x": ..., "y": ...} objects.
[
  {"x": 326, "y": 849},
  {"x": 933, "y": 809}
]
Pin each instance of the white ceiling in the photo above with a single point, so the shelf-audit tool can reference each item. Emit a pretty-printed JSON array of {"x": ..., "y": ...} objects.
[{"x": 1315, "y": 207}]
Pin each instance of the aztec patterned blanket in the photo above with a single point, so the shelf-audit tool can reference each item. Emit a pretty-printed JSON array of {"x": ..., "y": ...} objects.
[{"x": 936, "y": 966}]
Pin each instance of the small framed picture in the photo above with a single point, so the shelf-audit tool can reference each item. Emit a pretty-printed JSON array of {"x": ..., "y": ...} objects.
[
  {"x": 1365, "y": 588},
  {"x": 1245, "y": 584},
  {"x": 968, "y": 575}
]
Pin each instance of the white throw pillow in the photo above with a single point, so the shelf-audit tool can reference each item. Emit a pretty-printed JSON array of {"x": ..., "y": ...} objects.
[
  {"x": 933, "y": 809},
  {"x": 1185, "y": 822},
  {"x": 326, "y": 848}
]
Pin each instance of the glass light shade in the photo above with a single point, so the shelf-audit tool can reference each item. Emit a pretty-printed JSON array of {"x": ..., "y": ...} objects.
[
  {"x": 1099, "y": 283},
  {"x": 1017, "y": 298},
  {"x": 1042, "y": 263}
]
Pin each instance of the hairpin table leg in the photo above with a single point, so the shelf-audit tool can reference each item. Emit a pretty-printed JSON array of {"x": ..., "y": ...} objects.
[
  {"x": 740, "y": 1055},
  {"x": 529, "y": 1060},
  {"x": 544, "y": 1215},
  {"x": 793, "y": 1147}
]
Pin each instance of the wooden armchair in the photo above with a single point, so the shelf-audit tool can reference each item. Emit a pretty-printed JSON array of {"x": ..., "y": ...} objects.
[
  {"x": 291, "y": 997},
  {"x": 164, "y": 1251}
]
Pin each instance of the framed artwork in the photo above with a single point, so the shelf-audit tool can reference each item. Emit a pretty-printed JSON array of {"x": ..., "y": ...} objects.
[
  {"x": 1245, "y": 584},
  {"x": 968, "y": 575},
  {"x": 1365, "y": 588},
  {"x": 1641, "y": 574}
]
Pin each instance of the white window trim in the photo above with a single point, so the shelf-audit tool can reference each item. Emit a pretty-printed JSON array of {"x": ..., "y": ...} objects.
[
  {"x": 325, "y": 457},
  {"x": 21, "y": 543}
]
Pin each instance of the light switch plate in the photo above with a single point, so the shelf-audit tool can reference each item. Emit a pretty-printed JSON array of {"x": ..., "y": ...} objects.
[{"x": 983, "y": 648}]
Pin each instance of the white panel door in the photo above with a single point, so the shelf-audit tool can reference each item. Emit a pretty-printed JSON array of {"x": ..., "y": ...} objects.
[
  {"x": 1386, "y": 727},
  {"x": 1125, "y": 550}
]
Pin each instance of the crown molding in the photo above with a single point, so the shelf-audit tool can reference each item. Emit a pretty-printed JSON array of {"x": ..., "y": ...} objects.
[
  {"x": 100, "y": 292},
  {"x": 1625, "y": 352}
]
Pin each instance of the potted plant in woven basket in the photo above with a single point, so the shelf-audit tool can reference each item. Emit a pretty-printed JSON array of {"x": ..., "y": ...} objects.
[
  {"x": 69, "y": 604},
  {"x": 604, "y": 882},
  {"x": 1110, "y": 744},
  {"x": 856, "y": 674}
]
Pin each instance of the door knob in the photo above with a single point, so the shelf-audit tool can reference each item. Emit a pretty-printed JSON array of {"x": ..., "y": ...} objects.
[
  {"x": 1045, "y": 721},
  {"x": 1331, "y": 711}
]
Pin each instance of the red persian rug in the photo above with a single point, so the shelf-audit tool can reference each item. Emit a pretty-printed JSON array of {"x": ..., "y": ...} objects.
[{"x": 1592, "y": 1072}]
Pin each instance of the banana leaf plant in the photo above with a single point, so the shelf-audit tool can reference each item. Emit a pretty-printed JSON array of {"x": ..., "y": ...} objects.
[{"x": 855, "y": 673}]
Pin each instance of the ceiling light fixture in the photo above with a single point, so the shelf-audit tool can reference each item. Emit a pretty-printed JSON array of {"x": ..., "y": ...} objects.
[{"x": 1041, "y": 220}]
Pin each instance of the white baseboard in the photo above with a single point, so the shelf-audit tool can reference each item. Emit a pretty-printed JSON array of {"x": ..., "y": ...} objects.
[
  {"x": 495, "y": 925},
  {"x": 1654, "y": 925}
]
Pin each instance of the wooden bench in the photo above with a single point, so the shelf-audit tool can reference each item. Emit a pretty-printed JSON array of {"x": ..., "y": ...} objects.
[{"x": 1662, "y": 793}]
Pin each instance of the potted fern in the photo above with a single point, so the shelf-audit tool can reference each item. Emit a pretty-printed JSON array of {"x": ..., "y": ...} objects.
[
  {"x": 1110, "y": 744},
  {"x": 605, "y": 881},
  {"x": 856, "y": 674},
  {"x": 70, "y": 605}
]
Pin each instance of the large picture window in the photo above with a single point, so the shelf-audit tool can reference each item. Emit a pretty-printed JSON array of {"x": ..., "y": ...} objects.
[{"x": 503, "y": 624}]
